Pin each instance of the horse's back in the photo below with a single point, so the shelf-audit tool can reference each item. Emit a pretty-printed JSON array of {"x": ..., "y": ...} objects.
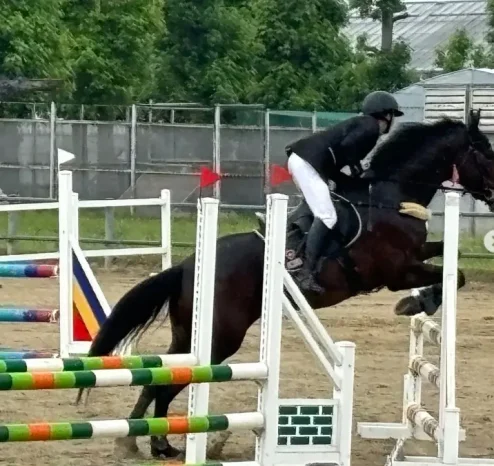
[{"x": 245, "y": 250}]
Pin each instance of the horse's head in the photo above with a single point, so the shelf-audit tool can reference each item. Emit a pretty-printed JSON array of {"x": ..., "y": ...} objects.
[{"x": 476, "y": 165}]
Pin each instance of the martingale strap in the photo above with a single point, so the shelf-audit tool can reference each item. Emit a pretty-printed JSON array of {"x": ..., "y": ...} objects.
[{"x": 415, "y": 210}]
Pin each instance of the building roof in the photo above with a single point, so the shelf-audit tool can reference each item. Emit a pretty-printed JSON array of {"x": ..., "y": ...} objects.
[{"x": 430, "y": 25}]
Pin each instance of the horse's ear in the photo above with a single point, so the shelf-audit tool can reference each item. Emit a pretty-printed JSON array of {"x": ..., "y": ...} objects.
[{"x": 474, "y": 120}]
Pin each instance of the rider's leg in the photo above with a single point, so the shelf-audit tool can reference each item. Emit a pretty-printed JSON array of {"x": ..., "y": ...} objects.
[{"x": 317, "y": 196}]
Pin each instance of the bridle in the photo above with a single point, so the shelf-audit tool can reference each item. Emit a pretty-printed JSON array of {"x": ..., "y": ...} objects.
[{"x": 473, "y": 155}]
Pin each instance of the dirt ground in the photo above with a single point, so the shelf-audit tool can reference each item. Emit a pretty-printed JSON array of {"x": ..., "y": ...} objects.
[{"x": 382, "y": 347}]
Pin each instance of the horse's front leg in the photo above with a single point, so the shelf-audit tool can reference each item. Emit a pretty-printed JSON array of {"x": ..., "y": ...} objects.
[
  {"x": 431, "y": 249},
  {"x": 428, "y": 292}
]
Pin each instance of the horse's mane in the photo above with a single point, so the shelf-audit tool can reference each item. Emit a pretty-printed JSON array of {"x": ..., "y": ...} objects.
[{"x": 412, "y": 145}]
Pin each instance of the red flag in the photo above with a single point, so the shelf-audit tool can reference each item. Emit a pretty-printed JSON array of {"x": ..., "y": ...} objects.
[
  {"x": 279, "y": 175},
  {"x": 208, "y": 177}
]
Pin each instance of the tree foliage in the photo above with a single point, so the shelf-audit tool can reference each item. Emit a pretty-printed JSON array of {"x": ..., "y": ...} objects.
[
  {"x": 374, "y": 70},
  {"x": 282, "y": 53},
  {"x": 461, "y": 51},
  {"x": 388, "y": 12},
  {"x": 301, "y": 55},
  {"x": 34, "y": 42},
  {"x": 114, "y": 55},
  {"x": 210, "y": 50}
]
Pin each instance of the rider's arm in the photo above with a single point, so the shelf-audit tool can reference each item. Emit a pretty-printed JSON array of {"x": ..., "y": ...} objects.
[{"x": 357, "y": 144}]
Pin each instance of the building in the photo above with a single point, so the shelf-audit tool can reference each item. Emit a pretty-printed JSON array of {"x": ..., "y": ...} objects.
[{"x": 429, "y": 25}]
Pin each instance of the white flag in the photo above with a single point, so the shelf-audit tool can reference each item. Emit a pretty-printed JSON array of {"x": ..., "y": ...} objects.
[{"x": 64, "y": 156}]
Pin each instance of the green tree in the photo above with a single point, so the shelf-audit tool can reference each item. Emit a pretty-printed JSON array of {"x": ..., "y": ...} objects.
[
  {"x": 115, "y": 57},
  {"x": 34, "y": 42},
  {"x": 303, "y": 49},
  {"x": 460, "y": 51},
  {"x": 210, "y": 51},
  {"x": 388, "y": 12},
  {"x": 376, "y": 70}
]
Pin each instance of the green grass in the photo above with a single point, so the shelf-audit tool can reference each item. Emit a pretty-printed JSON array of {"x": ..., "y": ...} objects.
[
  {"x": 139, "y": 227},
  {"x": 126, "y": 226}
]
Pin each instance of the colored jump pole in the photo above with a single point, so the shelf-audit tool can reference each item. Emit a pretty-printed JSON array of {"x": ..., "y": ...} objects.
[
  {"x": 97, "y": 363},
  {"x": 119, "y": 428},
  {"x": 28, "y": 315},
  {"x": 29, "y": 270},
  {"x": 6, "y": 354},
  {"x": 133, "y": 377}
]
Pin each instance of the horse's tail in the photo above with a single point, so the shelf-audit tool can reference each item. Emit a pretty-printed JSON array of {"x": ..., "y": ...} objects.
[{"x": 137, "y": 310}]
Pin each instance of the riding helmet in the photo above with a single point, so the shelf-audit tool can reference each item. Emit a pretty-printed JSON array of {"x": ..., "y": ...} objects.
[{"x": 379, "y": 103}]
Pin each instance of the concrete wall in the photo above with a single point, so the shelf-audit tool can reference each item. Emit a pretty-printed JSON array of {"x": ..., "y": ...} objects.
[{"x": 167, "y": 156}]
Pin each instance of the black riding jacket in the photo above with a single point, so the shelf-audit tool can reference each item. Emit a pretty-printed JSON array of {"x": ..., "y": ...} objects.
[{"x": 345, "y": 143}]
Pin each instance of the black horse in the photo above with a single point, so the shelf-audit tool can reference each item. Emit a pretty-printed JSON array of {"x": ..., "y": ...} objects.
[{"x": 386, "y": 249}]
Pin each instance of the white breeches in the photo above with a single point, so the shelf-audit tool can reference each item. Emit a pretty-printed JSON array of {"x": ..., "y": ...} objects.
[{"x": 314, "y": 189}]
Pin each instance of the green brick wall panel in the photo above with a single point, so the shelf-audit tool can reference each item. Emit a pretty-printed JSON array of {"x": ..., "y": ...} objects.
[
  {"x": 305, "y": 425},
  {"x": 282, "y": 440},
  {"x": 327, "y": 431},
  {"x": 283, "y": 420},
  {"x": 287, "y": 431},
  {"x": 288, "y": 410},
  {"x": 308, "y": 431},
  {"x": 323, "y": 420},
  {"x": 300, "y": 440},
  {"x": 321, "y": 441},
  {"x": 310, "y": 410},
  {"x": 301, "y": 420},
  {"x": 327, "y": 410}
]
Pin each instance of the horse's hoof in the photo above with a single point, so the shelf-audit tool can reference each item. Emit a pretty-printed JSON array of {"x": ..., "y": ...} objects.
[
  {"x": 125, "y": 447},
  {"x": 408, "y": 306},
  {"x": 167, "y": 453},
  {"x": 216, "y": 447}
]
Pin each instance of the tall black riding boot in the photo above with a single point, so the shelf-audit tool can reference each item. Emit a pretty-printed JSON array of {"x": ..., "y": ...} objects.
[{"x": 318, "y": 238}]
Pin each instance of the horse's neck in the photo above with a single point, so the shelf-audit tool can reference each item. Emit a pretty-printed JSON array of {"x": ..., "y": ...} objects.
[{"x": 391, "y": 193}]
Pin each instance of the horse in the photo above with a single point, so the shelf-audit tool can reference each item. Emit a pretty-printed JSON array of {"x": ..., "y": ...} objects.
[{"x": 386, "y": 247}]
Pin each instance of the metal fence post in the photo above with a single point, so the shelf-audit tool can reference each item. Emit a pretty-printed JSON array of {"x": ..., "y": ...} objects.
[
  {"x": 133, "y": 153},
  {"x": 267, "y": 167},
  {"x": 12, "y": 223},
  {"x": 109, "y": 231},
  {"x": 53, "y": 118},
  {"x": 217, "y": 150}
]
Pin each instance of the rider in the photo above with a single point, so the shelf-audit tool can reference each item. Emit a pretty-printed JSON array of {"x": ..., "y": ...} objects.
[{"x": 318, "y": 158}]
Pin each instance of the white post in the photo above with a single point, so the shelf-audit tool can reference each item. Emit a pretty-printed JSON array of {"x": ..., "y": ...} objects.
[
  {"x": 346, "y": 372},
  {"x": 166, "y": 236},
  {"x": 314, "y": 121},
  {"x": 65, "y": 261},
  {"x": 202, "y": 319},
  {"x": 271, "y": 324},
  {"x": 449, "y": 415}
]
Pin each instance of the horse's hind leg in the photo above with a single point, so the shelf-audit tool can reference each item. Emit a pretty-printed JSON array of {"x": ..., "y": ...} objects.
[
  {"x": 160, "y": 447},
  {"x": 128, "y": 445},
  {"x": 427, "y": 280},
  {"x": 222, "y": 348}
]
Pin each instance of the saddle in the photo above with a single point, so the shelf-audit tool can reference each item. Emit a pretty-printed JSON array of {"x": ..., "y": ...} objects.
[
  {"x": 350, "y": 224},
  {"x": 300, "y": 221}
]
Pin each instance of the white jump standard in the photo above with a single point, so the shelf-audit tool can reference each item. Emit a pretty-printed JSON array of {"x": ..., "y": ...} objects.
[{"x": 417, "y": 423}]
